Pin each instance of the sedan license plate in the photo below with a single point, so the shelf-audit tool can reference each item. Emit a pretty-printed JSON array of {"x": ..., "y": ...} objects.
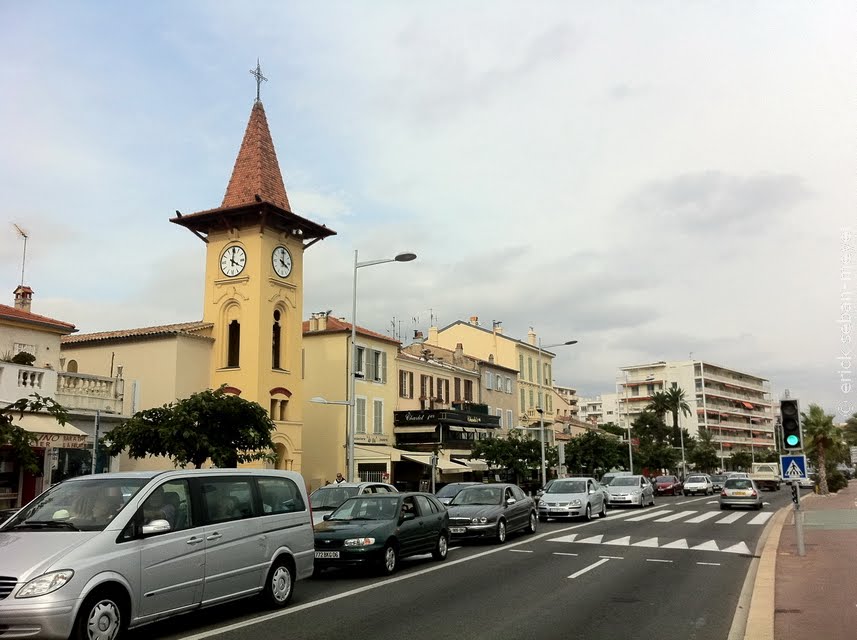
[
  {"x": 327, "y": 554},
  {"x": 457, "y": 529},
  {"x": 557, "y": 511},
  {"x": 742, "y": 493}
]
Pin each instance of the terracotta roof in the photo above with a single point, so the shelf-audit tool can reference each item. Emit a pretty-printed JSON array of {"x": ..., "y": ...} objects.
[
  {"x": 335, "y": 325},
  {"x": 19, "y": 315},
  {"x": 256, "y": 171},
  {"x": 142, "y": 332}
]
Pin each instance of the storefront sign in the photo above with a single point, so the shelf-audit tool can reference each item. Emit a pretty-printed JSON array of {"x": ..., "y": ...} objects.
[
  {"x": 405, "y": 417},
  {"x": 60, "y": 441}
]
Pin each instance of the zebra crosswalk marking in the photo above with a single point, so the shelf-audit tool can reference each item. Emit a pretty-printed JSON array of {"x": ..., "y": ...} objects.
[
  {"x": 621, "y": 542},
  {"x": 741, "y": 547},
  {"x": 675, "y": 516},
  {"x": 732, "y": 517},
  {"x": 703, "y": 517},
  {"x": 651, "y": 514},
  {"x": 593, "y": 539},
  {"x": 710, "y": 545},
  {"x": 650, "y": 542},
  {"x": 761, "y": 518},
  {"x": 678, "y": 544}
]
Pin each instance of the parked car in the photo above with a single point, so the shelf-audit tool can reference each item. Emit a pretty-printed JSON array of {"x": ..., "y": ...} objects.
[
  {"x": 737, "y": 474},
  {"x": 740, "y": 492},
  {"x": 379, "y": 529},
  {"x": 327, "y": 498},
  {"x": 668, "y": 485},
  {"x": 541, "y": 491},
  {"x": 447, "y": 492},
  {"x": 701, "y": 484},
  {"x": 491, "y": 511},
  {"x": 717, "y": 481},
  {"x": 630, "y": 490},
  {"x": 607, "y": 478},
  {"x": 98, "y": 554},
  {"x": 572, "y": 498}
]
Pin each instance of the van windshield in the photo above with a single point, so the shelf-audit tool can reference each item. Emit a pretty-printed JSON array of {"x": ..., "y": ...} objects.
[{"x": 79, "y": 505}]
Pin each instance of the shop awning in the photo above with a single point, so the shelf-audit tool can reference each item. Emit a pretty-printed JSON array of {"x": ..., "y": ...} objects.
[
  {"x": 424, "y": 429},
  {"x": 747, "y": 405},
  {"x": 366, "y": 452},
  {"x": 474, "y": 465},
  {"x": 56, "y": 435},
  {"x": 445, "y": 466}
]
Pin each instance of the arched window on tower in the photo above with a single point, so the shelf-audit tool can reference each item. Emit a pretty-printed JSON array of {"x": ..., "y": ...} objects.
[
  {"x": 234, "y": 344},
  {"x": 276, "y": 343}
]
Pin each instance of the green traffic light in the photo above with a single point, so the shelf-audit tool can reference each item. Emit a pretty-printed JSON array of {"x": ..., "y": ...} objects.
[{"x": 792, "y": 440}]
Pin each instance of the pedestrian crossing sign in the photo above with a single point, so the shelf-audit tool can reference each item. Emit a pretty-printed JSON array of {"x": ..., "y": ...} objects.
[{"x": 793, "y": 467}]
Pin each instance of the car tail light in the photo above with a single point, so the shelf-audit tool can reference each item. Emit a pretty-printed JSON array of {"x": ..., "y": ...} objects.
[
  {"x": 753, "y": 493},
  {"x": 723, "y": 493}
]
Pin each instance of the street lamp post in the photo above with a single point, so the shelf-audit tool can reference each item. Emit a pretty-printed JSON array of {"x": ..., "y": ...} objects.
[
  {"x": 352, "y": 403},
  {"x": 541, "y": 408},
  {"x": 630, "y": 452}
]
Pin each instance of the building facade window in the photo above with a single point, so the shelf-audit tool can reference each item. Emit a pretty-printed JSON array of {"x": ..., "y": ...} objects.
[
  {"x": 406, "y": 384},
  {"x": 531, "y": 398},
  {"x": 360, "y": 415},
  {"x": 426, "y": 387},
  {"x": 523, "y": 399},
  {"x": 233, "y": 349},
  {"x": 530, "y": 369},
  {"x": 378, "y": 416},
  {"x": 468, "y": 390},
  {"x": 457, "y": 389},
  {"x": 521, "y": 366},
  {"x": 360, "y": 362},
  {"x": 498, "y": 382},
  {"x": 509, "y": 419},
  {"x": 442, "y": 390},
  {"x": 500, "y": 415},
  {"x": 275, "y": 341},
  {"x": 508, "y": 381}
]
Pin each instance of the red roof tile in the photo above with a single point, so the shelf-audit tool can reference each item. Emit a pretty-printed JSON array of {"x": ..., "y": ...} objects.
[
  {"x": 142, "y": 332},
  {"x": 335, "y": 325},
  {"x": 11, "y": 313},
  {"x": 256, "y": 171}
]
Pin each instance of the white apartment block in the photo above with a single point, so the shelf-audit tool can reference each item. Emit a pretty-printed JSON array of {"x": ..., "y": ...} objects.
[
  {"x": 735, "y": 406},
  {"x": 599, "y": 409}
]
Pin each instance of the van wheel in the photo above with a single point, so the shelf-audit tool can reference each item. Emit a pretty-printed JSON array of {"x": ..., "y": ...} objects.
[
  {"x": 442, "y": 547},
  {"x": 280, "y": 584},
  {"x": 100, "y": 618}
]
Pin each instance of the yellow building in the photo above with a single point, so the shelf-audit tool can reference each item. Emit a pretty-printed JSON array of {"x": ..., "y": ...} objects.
[{"x": 250, "y": 337}]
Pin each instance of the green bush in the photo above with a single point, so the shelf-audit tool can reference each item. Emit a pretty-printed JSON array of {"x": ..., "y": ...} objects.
[
  {"x": 836, "y": 481},
  {"x": 22, "y": 357}
]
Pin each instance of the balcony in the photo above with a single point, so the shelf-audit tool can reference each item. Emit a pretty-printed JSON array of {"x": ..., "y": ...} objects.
[
  {"x": 710, "y": 390},
  {"x": 744, "y": 383},
  {"x": 74, "y": 391}
]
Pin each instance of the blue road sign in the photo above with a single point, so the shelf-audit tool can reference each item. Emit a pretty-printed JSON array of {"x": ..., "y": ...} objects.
[{"x": 793, "y": 467}]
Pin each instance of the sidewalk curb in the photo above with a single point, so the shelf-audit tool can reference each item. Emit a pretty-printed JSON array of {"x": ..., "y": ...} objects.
[{"x": 760, "y": 618}]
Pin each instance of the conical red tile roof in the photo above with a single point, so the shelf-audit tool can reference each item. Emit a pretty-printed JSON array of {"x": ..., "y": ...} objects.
[{"x": 256, "y": 171}]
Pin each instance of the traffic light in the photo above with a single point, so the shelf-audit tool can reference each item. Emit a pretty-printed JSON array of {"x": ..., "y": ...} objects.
[{"x": 792, "y": 434}]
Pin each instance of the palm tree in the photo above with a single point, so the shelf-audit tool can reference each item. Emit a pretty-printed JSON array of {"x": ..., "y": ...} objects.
[
  {"x": 659, "y": 405},
  {"x": 676, "y": 403},
  {"x": 851, "y": 430},
  {"x": 823, "y": 438}
]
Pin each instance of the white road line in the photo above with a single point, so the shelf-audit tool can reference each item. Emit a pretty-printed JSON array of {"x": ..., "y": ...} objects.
[
  {"x": 651, "y": 514},
  {"x": 732, "y": 517},
  {"x": 709, "y": 564},
  {"x": 589, "y": 568},
  {"x": 593, "y": 540},
  {"x": 741, "y": 547},
  {"x": 676, "y": 516},
  {"x": 657, "y": 560},
  {"x": 559, "y": 553},
  {"x": 711, "y": 502},
  {"x": 521, "y": 550},
  {"x": 613, "y": 557},
  {"x": 620, "y": 542},
  {"x": 689, "y": 501},
  {"x": 650, "y": 542},
  {"x": 678, "y": 544},
  {"x": 710, "y": 545},
  {"x": 762, "y": 518},
  {"x": 244, "y": 624},
  {"x": 702, "y": 518}
]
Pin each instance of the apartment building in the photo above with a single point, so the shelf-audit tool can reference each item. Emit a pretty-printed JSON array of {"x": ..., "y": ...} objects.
[
  {"x": 733, "y": 405},
  {"x": 570, "y": 401},
  {"x": 600, "y": 409}
]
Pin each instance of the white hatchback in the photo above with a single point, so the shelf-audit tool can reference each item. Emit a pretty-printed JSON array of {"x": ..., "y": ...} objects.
[{"x": 701, "y": 484}]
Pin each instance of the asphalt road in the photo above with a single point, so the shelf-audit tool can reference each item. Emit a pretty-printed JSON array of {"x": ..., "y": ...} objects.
[{"x": 670, "y": 571}]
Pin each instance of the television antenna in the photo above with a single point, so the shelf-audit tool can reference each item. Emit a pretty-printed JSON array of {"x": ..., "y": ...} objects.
[{"x": 24, "y": 235}]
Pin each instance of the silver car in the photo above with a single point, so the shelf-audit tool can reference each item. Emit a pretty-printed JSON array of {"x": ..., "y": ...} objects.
[
  {"x": 740, "y": 492},
  {"x": 96, "y": 555},
  {"x": 631, "y": 490},
  {"x": 327, "y": 498},
  {"x": 572, "y": 498}
]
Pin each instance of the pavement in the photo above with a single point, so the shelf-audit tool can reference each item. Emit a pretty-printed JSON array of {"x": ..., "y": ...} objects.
[{"x": 814, "y": 596}]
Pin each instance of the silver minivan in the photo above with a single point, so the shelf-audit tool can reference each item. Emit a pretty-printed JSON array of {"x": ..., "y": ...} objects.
[{"x": 96, "y": 555}]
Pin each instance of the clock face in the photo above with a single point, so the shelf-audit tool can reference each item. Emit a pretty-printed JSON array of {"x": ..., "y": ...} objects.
[
  {"x": 282, "y": 261},
  {"x": 232, "y": 261}
]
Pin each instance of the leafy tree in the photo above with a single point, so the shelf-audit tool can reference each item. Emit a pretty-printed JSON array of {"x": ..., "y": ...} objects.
[
  {"x": 824, "y": 442},
  {"x": 850, "y": 430},
  {"x": 208, "y": 424},
  {"x": 17, "y": 438},
  {"x": 677, "y": 403},
  {"x": 704, "y": 454},
  {"x": 516, "y": 454},
  {"x": 659, "y": 405},
  {"x": 741, "y": 460},
  {"x": 649, "y": 428},
  {"x": 612, "y": 427},
  {"x": 655, "y": 450},
  {"x": 591, "y": 452}
]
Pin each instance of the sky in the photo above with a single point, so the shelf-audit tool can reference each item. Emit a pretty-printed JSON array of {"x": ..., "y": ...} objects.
[{"x": 658, "y": 180}]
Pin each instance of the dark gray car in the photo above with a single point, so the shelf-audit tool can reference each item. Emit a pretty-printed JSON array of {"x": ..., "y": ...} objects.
[{"x": 491, "y": 511}]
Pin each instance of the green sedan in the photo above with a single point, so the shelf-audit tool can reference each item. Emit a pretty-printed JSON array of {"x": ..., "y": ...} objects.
[{"x": 377, "y": 530}]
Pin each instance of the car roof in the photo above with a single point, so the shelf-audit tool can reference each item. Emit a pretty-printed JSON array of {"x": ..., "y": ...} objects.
[{"x": 336, "y": 485}]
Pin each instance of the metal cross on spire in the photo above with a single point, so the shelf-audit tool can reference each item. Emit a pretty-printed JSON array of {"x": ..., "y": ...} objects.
[{"x": 257, "y": 72}]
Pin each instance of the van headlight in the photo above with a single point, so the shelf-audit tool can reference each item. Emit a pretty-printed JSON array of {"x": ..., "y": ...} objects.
[
  {"x": 359, "y": 542},
  {"x": 44, "y": 584}
]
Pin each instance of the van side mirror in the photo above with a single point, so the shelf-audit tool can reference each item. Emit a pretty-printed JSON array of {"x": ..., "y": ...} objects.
[{"x": 156, "y": 526}]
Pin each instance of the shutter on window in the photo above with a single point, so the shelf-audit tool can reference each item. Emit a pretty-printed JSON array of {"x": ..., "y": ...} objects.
[
  {"x": 370, "y": 366},
  {"x": 383, "y": 375}
]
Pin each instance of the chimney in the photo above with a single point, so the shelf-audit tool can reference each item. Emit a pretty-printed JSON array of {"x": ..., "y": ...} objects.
[
  {"x": 531, "y": 337},
  {"x": 459, "y": 352},
  {"x": 418, "y": 336},
  {"x": 433, "y": 337},
  {"x": 474, "y": 320},
  {"x": 322, "y": 322},
  {"x": 497, "y": 328},
  {"x": 23, "y": 298}
]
